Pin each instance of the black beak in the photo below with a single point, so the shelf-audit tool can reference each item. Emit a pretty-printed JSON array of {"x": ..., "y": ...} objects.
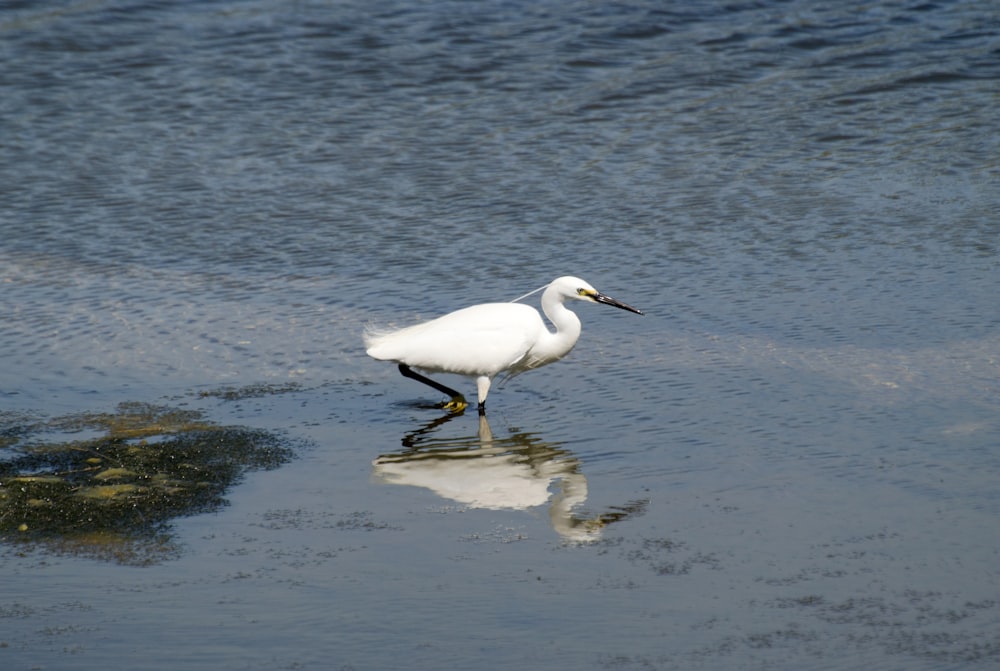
[{"x": 608, "y": 300}]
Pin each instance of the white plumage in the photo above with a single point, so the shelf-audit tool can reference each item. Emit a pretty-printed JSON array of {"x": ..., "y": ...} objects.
[{"x": 485, "y": 340}]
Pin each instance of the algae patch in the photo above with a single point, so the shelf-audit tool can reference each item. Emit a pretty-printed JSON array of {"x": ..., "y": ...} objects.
[{"x": 113, "y": 493}]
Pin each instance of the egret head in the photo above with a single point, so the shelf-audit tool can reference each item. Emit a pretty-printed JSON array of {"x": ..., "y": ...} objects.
[{"x": 574, "y": 287}]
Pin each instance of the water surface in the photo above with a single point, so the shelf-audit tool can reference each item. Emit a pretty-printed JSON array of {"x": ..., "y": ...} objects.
[{"x": 789, "y": 462}]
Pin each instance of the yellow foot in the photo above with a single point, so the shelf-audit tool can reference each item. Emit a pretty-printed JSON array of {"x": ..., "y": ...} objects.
[{"x": 456, "y": 404}]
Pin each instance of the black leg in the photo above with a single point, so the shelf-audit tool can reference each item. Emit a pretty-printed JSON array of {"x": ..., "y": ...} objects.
[{"x": 457, "y": 402}]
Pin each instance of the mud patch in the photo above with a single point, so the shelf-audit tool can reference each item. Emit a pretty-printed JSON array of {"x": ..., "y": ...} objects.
[{"x": 112, "y": 494}]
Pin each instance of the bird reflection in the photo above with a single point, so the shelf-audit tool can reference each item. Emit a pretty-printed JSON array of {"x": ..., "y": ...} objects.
[{"x": 512, "y": 473}]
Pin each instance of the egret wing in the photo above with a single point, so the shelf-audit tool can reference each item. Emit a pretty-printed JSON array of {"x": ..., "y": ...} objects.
[{"x": 479, "y": 340}]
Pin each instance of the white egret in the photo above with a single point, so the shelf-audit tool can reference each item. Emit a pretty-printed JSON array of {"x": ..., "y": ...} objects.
[{"x": 485, "y": 340}]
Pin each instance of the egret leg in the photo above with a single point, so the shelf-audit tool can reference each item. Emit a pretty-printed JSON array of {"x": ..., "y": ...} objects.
[
  {"x": 483, "y": 386},
  {"x": 457, "y": 402}
]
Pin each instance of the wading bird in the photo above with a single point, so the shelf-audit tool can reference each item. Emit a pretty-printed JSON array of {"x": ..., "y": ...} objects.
[{"x": 485, "y": 340}]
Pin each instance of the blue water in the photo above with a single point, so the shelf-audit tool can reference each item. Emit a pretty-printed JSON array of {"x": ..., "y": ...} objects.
[{"x": 795, "y": 447}]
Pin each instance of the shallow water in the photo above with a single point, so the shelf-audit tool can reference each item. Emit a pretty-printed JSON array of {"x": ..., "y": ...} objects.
[{"x": 789, "y": 462}]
